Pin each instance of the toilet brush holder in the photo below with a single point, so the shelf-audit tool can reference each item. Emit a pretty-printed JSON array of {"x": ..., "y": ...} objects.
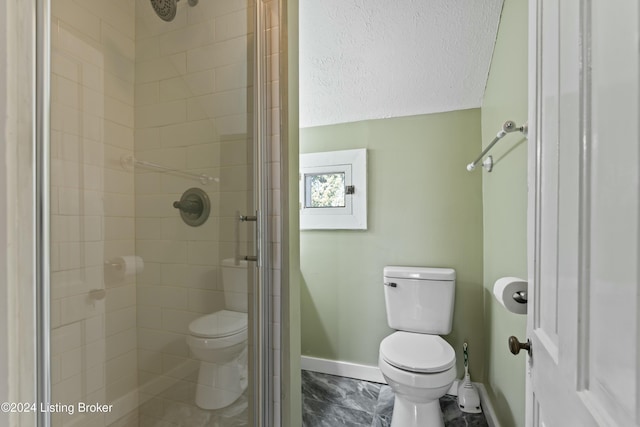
[{"x": 468, "y": 397}]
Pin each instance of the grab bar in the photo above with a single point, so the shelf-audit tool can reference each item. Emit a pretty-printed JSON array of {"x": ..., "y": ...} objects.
[
  {"x": 508, "y": 127},
  {"x": 128, "y": 162}
]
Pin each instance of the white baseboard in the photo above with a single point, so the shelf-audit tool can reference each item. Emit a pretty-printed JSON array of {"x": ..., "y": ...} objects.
[
  {"x": 343, "y": 369},
  {"x": 487, "y": 406},
  {"x": 373, "y": 374}
]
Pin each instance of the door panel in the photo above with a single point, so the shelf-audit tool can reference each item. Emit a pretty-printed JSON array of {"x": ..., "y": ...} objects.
[{"x": 584, "y": 214}]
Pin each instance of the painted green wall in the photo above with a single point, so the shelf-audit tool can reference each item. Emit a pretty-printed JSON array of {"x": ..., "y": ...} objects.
[
  {"x": 424, "y": 209},
  {"x": 505, "y": 210}
]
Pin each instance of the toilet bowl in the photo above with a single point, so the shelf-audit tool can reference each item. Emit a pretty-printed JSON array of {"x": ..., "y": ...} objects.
[
  {"x": 420, "y": 369},
  {"x": 416, "y": 362},
  {"x": 219, "y": 341}
]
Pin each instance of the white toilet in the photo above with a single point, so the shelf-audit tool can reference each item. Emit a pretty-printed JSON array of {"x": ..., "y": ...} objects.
[
  {"x": 417, "y": 363},
  {"x": 219, "y": 341}
]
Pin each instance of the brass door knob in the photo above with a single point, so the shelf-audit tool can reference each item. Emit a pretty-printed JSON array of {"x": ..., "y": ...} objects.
[{"x": 515, "y": 346}]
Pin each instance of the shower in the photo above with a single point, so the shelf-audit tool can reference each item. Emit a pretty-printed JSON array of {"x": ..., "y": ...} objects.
[
  {"x": 122, "y": 275},
  {"x": 166, "y": 9}
]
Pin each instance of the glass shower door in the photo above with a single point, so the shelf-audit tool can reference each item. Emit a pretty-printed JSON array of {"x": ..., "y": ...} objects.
[{"x": 153, "y": 161}]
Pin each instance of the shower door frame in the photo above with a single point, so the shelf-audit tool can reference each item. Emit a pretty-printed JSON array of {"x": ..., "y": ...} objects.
[{"x": 262, "y": 369}]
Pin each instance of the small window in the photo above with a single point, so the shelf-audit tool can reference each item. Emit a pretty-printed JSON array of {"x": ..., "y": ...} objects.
[
  {"x": 324, "y": 190},
  {"x": 333, "y": 190}
]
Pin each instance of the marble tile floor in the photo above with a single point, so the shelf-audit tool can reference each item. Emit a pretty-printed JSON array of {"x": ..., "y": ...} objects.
[{"x": 332, "y": 401}]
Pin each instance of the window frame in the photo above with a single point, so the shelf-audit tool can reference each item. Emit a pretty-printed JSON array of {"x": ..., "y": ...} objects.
[{"x": 353, "y": 216}]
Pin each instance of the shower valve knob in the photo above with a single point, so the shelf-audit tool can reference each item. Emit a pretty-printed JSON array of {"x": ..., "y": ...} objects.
[{"x": 515, "y": 346}]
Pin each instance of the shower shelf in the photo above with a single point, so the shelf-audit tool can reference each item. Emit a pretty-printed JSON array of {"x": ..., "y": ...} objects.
[{"x": 129, "y": 162}]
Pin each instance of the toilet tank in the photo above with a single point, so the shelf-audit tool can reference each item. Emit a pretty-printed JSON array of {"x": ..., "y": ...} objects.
[
  {"x": 234, "y": 283},
  {"x": 420, "y": 299}
]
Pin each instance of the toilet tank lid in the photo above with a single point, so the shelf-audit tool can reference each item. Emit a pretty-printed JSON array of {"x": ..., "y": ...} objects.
[{"x": 420, "y": 273}]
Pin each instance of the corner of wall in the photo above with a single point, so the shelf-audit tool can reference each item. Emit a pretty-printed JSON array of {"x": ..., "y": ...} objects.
[
  {"x": 291, "y": 399},
  {"x": 505, "y": 210}
]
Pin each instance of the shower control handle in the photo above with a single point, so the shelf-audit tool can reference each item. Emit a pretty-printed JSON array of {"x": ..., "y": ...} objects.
[
  {"x": 189, "y": 206},
  {"x": 515, "y": 346}
]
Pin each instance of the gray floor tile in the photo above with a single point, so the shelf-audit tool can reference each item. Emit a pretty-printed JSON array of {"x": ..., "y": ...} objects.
[{"x": 331, "y": 401}]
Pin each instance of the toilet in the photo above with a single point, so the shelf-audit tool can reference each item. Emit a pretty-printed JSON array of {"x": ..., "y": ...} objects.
[
  {"x": 416, "y": 362},
  {"x": 219, "y": 341}
]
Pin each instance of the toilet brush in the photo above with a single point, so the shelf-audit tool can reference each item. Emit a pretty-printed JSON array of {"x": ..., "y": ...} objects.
[{"x": 468, "y": 398}]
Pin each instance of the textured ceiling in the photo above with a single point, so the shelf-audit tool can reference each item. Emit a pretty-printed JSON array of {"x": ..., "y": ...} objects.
[{"x": 372, "y": 59}]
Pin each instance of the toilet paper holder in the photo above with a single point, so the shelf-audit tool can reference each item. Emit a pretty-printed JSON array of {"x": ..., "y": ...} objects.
[
  {"x": 512, "y": 294},
  {"x": 520, "y": 297}
]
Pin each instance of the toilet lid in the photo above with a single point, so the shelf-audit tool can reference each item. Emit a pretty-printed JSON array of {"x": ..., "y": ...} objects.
[
  {"x": 219, "y": 324},
  {"x": 417, "y": 352}
]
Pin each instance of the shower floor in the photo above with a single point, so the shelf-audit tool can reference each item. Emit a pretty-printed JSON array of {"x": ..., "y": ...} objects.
[
  {"x": 332, "y": 401},
  {"x": 171, "y": 412}
]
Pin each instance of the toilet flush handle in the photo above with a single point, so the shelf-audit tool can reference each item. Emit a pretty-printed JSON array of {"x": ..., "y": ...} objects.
[{"x": 391, "y": 284}]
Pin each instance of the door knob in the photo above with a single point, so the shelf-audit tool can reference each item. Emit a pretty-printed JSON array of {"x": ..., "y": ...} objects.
[{"x": 515, "y": 346}]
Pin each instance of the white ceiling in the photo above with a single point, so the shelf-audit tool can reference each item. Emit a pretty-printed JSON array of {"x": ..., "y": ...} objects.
[{"x": 372, "y": 59}]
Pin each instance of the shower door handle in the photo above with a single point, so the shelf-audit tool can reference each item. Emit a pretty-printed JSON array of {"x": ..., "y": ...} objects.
[{"x": 252, "y": 218}]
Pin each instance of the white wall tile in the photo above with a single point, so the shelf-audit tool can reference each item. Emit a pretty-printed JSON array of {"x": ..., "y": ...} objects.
[
  {"x": 186, "y": 38},
  {"x": 116, "y": 41},
  {"x": 118, "y": 88},
  {"x": 119, "y": 298},
  {"x": 202, "y": 253},
  {"x": 147, "y": 48},
  {"x": 205, "y": 301},
  {"x": 163, "y": 251},
  {"x": 73, "y": 43},
  {"x": 149, "y": 316},
  {"x": 233, "y": 76},
  {"x": 119, "y": 228},
  {"x": 236, "y": 24},
  {"x": 226, "y": 52},
  {"x": 161, "y": 68},
  {"x": 118, "y": 112},
  {"x": 118, "y": 135},
  {"x": 120, "y": 343},
  {"x": 164, "y": 114},
  {"x": 190, "y": 133},
  {"x": 177, "y": 320}
]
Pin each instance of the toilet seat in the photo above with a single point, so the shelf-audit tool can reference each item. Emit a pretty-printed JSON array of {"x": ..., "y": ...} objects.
[
  {"x": 419, "y": 353},
  {"x": 220, "y": 324}
]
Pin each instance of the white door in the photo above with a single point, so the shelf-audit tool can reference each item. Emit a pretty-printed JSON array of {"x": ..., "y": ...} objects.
[{"x": 584, "y": 222}]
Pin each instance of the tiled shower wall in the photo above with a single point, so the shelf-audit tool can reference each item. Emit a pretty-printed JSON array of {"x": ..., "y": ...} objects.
[
  {"x": 93, "y": 310},
  {"x": 272, "y": 21},
  {"x": 192, "y": 114}
]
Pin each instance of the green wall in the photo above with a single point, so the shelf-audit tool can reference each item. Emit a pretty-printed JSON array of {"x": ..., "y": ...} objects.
[
  {"x": 424, "y": 209},
  {"x": 505, "y": 210}
]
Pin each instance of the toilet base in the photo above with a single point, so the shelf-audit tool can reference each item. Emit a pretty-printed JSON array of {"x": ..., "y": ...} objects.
[
  {"x": 219, "y": 385},
  {"x": 410, "y": 414}
]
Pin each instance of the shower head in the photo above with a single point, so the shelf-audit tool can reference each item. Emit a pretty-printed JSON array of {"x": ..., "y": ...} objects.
[{"x": 166, "y": 9}]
